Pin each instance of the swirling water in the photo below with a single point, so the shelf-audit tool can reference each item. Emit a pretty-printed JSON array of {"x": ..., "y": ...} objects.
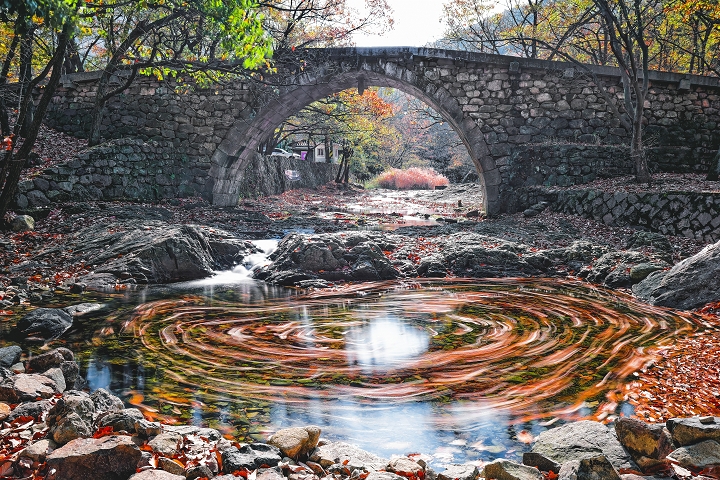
[{"x": 453, "y": 368}]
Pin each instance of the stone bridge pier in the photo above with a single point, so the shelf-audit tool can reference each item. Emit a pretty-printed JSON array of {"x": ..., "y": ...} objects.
[{"x": 515, "y": 116}]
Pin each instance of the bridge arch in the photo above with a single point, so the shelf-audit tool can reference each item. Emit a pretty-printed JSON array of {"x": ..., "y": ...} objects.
[{"x": 241, "y": 142}]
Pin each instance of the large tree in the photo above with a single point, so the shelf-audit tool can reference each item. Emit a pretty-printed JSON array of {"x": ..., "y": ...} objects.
[
  {"x": 614, "y": 32},
  {"x": 200, "y": 38},
  {"x": 58, "y": 17}
]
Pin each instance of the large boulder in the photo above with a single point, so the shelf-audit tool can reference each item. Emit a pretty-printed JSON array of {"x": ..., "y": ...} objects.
[
  {"x": 152, "y": 251},
  {"x": 299, "y": 258},
  {"x": 113, "y": 457},
  {"x": 579, "y": 440},
  {"x": 690, "y": 284}
]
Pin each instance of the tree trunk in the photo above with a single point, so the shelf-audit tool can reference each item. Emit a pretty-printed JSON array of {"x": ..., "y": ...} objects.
[
  {"x": 637, "y": 153},
  {"x": 26, "y": 54},
  {"x": 16, "y": 162},
  {"x": 338, "y": 177},
  {"x": 4, "y": 119}
]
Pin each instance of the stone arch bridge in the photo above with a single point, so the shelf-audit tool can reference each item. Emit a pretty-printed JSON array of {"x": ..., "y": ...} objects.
[{"x": 523, "y": 121}]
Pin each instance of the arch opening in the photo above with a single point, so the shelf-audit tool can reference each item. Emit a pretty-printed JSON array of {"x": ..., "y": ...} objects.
[{"x": 246, "y": 136}]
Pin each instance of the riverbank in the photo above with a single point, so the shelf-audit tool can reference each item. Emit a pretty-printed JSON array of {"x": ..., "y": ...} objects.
[{"x": 52, "y": 429}]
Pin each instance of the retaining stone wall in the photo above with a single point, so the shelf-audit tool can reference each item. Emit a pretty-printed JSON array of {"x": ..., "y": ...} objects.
[
  {"x": 150, "y": 171},
  {"x": 686, "y": 214},
  {"x": 572, "y": 164}
]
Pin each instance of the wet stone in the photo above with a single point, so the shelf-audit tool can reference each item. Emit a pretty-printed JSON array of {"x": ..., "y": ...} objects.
[
  {"x": 507, "y": 470},
  {"x": 171, "y": 466},
  {"x": 338, "y": 452},
  {"x": 297, "y": 441},
  {"x": 27, "y": 387},
  {"x": 10, "y": 355},
  {"x": 159, "y": 475},
  {"x": 686, "y": 431},
  {"x": 166, "y": 443},
  {"x": 584, "y": 439},
  {"x": 459, "y": 472},
  {"x": 107, "y": 458},
  {"x": 698, "y": 456}
]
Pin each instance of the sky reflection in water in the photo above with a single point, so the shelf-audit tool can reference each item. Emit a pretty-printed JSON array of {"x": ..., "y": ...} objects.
[{"x": 455, "y": 369}]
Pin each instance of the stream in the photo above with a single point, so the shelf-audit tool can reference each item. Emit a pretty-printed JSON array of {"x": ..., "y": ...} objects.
[{"x": 461, "y": 369}]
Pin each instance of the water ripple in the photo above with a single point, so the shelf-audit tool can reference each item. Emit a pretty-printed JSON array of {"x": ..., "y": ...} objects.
[{"x": 530, "y": 348}]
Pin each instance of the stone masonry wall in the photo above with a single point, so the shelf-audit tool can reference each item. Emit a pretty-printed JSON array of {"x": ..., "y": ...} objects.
[
  {"x": 687, "y": 214},
  {"x": 497, "y": 104},
  {"x": 559, "y": 164},
  {"x": 133, "y": 169}
]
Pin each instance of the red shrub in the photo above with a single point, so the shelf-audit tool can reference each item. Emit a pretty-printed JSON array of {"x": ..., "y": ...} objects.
[{"x": 411, "y": 179}]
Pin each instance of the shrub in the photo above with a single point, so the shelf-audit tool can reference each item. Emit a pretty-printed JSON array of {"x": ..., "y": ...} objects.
[{"x": 414, "y": 178}]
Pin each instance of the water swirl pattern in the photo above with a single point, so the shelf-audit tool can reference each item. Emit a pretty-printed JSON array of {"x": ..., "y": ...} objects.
[{"x": 520, "y": 350}]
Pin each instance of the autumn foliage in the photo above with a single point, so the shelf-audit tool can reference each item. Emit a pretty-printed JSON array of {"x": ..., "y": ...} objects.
[{"x": 411, "y": 179}]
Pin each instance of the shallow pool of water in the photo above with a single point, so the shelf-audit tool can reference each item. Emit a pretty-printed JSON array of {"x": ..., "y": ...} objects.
[{"x": 456, "y": 369}]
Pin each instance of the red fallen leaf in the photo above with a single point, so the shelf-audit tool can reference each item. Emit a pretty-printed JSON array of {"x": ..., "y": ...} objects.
[
  {"x": 624, "y": 471},
  {"x": 103, "y": 432},
  {"x": 712, "y": 471},
  {"x": 241, "y": 473},
  {"x": 550, "y": 475},
  {"x": 6, "y": 312},
  {"x": 346, "y": 461}
]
